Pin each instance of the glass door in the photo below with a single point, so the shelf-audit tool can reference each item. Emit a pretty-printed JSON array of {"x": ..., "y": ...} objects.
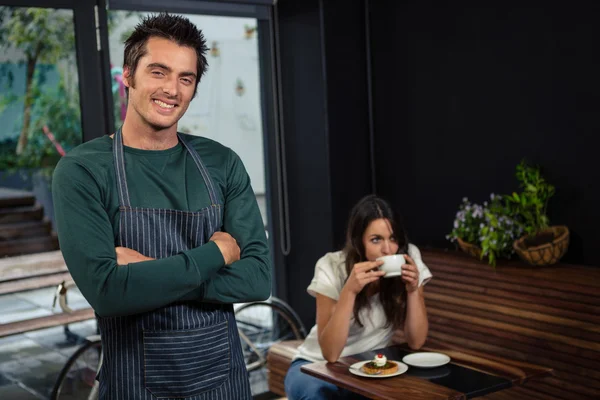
[{"x": 50, "y": 101}]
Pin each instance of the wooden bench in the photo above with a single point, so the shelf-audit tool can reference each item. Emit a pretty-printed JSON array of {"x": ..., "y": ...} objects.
[
  {"x": 35, "y": 271},
  {"x": 548, "y": 316}
]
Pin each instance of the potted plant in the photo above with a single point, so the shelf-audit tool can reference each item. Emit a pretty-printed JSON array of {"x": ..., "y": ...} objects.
[
  {"x": 485, "y": 231},
  {"x": 466, "y": 227},
  {"x": 541, "y": 244}
]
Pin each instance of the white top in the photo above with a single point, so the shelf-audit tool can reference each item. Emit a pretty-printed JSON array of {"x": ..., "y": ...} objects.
[{"x": 330, "y": 277}]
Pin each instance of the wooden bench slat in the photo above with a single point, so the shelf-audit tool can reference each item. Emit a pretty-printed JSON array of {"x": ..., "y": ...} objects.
[
  {"x": 531, "y": 324},
  {"x": 569, "y": 327},
  {"x": 36, "y": 282},
  {"x": 518, "y": 342},
  {"x": 491, "y": 326},
  {"x": 576, "y": 295},
  {"x": 17, "y": 327},
  {"x": 554, "y": 274},
  {"x": 31, "y": 265},
  {"x": 544, "y": 305},
  {"x": 517, "y": 278}
]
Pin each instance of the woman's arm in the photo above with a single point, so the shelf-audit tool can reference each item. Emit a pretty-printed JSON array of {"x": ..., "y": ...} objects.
[
  {"x": 333, "y": 317},
  {"x": 333, "y": 323},
  {"x": 416, "y": 325}
]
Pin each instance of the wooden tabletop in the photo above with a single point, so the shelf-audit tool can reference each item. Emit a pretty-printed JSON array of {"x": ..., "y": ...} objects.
[{"x": 467, "y": 375}]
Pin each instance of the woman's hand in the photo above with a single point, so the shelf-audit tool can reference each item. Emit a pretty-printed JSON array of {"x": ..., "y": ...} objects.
[
  {"x": 410, "y": 274},
  {"x": 362, "y": 274},
  {"x": 128, "y": 256}
]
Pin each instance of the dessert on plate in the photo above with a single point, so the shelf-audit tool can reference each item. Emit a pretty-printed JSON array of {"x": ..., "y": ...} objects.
[{"x": 380, "y": 365}]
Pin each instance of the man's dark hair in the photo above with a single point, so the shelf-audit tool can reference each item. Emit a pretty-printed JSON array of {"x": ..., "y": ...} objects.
[{"x": 172, "y": 27}]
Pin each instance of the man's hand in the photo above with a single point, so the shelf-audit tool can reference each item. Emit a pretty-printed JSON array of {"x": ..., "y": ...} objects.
[
  {"x": 228, "y": 246},
  {"x": 128, "y": 256}
]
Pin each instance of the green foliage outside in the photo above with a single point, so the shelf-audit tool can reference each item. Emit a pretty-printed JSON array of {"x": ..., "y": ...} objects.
[{"x": 45, "y": 39}]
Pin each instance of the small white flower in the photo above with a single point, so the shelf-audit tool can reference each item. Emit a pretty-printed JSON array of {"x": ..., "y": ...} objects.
[
  {"x": 456, "y": 223},
  {"x": 465, "y": 199}
]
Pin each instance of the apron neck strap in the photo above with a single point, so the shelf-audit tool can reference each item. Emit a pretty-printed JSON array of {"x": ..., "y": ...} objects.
[
  {"x": 119, "y": 161},
  {"x": 214, "y": 198}
]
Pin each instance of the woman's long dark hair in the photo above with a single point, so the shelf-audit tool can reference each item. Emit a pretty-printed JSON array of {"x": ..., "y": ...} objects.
[{"x": 392, "y": 291}]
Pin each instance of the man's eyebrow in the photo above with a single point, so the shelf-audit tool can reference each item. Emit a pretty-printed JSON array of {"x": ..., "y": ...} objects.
[
  {"x": 159, "y": 65},
  {"x": 167, "y": 68},
  {"x": 188, "y": 73}
]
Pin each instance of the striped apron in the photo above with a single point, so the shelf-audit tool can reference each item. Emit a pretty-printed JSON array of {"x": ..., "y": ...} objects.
[{"x": 186, "y": 350}]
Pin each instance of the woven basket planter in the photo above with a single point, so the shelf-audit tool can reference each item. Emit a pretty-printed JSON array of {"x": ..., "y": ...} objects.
[
  {"x": 548, "y": 253},
  {"x": 469, "y": 248}
]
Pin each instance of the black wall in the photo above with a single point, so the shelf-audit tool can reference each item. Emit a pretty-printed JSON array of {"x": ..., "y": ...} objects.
[
  {"x": 323, "y": 63},
  {"x": 460, "y": 95}
]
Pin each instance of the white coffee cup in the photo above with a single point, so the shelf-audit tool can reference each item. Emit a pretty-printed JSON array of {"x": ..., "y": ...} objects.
[{"x": 392, "y": 265}]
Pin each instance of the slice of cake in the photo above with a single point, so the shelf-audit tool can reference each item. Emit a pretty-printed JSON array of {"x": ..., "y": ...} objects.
[{"x": 380, "y": 366}]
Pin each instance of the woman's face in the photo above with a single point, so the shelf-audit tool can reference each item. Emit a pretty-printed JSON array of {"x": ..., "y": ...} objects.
[{"x": 379, "y": 239}]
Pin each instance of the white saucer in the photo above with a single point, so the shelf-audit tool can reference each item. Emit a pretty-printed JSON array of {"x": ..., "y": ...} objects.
[
  {"x": 392, "y": 274},
  {"x": 426, "y": 359},
  {"x": 355, "y": 369}
]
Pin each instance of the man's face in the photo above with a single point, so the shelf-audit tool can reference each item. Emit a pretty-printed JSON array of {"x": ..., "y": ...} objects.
[{"x": 163, "y": 84}]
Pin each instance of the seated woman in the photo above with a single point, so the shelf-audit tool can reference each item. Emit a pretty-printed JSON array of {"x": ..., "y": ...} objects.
[{"x": 357, "y": 310}]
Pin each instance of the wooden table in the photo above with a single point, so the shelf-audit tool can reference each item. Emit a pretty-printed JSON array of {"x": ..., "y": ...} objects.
[{"x": 466, "y": 376}]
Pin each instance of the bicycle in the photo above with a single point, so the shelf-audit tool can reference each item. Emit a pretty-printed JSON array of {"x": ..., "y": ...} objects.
[{"x": 260, "y": 325}]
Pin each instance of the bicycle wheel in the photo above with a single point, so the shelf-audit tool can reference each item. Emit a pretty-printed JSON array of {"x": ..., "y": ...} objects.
[
  {"x": 77, "y": 379},
  {"x": 297, "y": 322},
  {"x": 260, "y": 325}
]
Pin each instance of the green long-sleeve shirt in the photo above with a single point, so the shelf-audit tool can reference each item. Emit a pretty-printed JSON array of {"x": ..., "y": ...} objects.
[{"x": 86, "y": 206}]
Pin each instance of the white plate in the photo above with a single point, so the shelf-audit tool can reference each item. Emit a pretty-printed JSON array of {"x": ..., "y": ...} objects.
[
  {"x": 426, "y": 359},
  {"x": 355, "y": 369}
]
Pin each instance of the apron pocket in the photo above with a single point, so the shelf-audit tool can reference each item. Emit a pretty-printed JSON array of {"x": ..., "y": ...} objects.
[{"x": 188, "y": 362}]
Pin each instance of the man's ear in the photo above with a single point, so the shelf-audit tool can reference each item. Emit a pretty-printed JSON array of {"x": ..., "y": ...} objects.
[{"x": 126, "y": 76}]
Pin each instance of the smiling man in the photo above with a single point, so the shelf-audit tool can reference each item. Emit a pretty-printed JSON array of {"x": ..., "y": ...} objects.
[{"x": 162, "y": 233}]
